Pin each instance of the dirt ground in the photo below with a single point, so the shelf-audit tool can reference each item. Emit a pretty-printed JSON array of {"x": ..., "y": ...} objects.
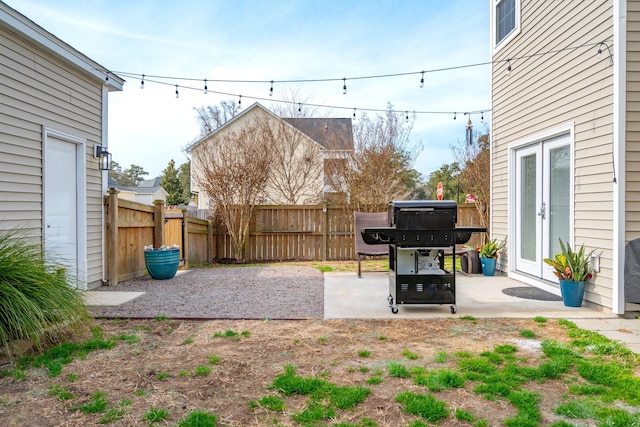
[{"x": 251, "y": 361}]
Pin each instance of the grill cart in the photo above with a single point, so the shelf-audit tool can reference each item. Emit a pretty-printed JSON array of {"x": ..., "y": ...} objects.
[{"x": 420, "y": 235}]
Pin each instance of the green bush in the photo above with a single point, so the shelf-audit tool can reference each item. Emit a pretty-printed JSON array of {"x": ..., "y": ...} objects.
[{"x": 36, "y": 302}]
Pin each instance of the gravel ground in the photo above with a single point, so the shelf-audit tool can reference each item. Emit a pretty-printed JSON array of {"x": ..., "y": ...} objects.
[{"x": 271, "y": 292}]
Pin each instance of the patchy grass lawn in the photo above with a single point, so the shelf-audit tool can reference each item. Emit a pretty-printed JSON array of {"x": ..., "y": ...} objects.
[{"x": 437, "y": 372}]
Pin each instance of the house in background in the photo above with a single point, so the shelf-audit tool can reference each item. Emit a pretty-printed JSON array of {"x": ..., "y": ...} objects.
[
  {"x": 305, "y": 148},
  {"x": 145, "y": 192},
  {"x": 565, "y": 138},
  {"x": 53, "y": 113}
]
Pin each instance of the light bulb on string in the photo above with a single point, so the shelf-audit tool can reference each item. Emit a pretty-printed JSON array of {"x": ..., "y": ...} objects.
[
  {"x": 206, "y": 89},
  {"x": 407, "y": 115},
  {"x": 344, "y": 86},
  {"x": 142, "y": 82},
  {"x": 354, "y": 114},
  {"x": 422, "y": 81},
  {"x": 271, "y": 89},
  {"x": 455, "y": 115},
  {"x": 482, "y": 115},
  {"x": 299, "y": 107},
  {"x": 177, "y": 94},
  {"x": 508, "y": 66},
  {"x": 239, "y": 101}
]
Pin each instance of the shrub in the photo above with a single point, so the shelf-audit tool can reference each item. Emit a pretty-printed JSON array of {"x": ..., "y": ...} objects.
[{"x": 36, "y": 302}]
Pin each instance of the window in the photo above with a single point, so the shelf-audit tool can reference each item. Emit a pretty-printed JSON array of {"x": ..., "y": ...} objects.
[{"x": 506, "y": 16}]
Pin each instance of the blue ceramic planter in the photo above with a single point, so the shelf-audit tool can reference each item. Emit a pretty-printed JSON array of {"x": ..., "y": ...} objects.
[
  {"x": 488, "y": 266},
  {"x": 572, "y": 292},
  {"x": 162, "y": 263}
]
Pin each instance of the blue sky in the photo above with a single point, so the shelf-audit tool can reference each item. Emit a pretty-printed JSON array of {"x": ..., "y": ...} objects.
[{"x": 278, "y": 40}]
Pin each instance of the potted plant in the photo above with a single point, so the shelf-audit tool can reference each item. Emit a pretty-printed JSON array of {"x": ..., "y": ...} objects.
[
  {"x": 488, "y": 255},
  {"x": 162, "y": 263},
  {"x": 573, "y": 269}
]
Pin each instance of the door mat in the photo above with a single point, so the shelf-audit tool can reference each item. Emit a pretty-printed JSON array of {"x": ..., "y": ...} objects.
[{"x": 531, "y": 292}]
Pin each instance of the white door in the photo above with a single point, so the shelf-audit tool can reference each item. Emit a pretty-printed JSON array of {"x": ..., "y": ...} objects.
[
  {"x": 61, "y": 204},
  {"x": 543, "y": 204}
]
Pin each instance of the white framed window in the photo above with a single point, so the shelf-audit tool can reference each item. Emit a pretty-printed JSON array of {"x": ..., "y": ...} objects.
[{"x": 505, "y": 20}]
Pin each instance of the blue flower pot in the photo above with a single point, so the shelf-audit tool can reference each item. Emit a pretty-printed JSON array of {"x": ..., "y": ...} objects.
[
  {"x": 488, "y": 266},
  {"x": 572, "y": 292},
  {"x": 162, "y": 263}
]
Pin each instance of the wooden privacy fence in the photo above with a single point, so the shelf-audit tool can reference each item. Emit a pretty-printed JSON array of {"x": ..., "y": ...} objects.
[
  {"x": 130, "y": 226},
  {"x": 309, "y": 232}
]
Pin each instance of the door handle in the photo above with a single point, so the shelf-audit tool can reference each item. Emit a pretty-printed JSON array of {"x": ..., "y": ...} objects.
[{"x": 543, "y": 210}]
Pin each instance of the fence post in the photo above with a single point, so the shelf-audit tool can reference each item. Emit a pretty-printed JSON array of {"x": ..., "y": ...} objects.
[
  {"x": 324, "y": 231},
  {"x": 185, "y": 238},
  {"x": 210, "y": 254},
  {"x": 158, "y": 219},
  {"x": 112, "y": 237}
]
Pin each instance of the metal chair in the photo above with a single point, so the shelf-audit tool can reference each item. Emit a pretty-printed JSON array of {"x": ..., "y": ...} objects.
[{"x": 363, "y": 220}]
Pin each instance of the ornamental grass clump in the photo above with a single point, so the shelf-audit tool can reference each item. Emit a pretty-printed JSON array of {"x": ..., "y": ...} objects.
[
  {"x": 36, "y": 301},
  {"x": 571, "y": 265}
]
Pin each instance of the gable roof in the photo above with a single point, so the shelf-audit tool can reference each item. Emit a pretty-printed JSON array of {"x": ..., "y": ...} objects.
[
  {"x": 332, "y": 134},
  {"x": 148, "y": 186},
  {"x": 323, "y": 131},
  {"x": 17, "y": 23}
]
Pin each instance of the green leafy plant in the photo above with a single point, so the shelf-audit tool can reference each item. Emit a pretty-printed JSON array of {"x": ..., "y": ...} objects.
[
  {"x": 37, "y": 301},
  {"x": 62, "y": 393},
  {"x": 155, "y": 415},
  {"x": 424, "y": 405},
  {"x": 491, "y": 248},
  {"x": 97, "y": 404},
  {"x": 199, "y": 419},
  {"x": 571, "y": 265}
]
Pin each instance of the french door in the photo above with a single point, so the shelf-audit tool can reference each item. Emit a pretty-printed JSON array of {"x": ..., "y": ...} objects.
[{"x": 542, "y": 204}]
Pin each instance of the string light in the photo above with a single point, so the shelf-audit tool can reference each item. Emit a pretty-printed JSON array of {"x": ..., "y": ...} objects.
[
  {"x": 509, "y": 66},
  {"x": 299, "y": 107},
  {"x": 327, "y": 106},
  {"x": 379, "y": 76},
  {"x": 271, "y": 89},
  {"x": 354, "y": 114},
  {"x": 454, "y": 115},
  {"x": 407, "y": 115},
  {"x": 344, "y": 87},
  {"x": 177, "y": 94},
  {"x": 206, "y": 90},
  {"x": 142, "y": 82},
  {"x": 422, "y": 80},
  {"x": 481, "y": 115}
]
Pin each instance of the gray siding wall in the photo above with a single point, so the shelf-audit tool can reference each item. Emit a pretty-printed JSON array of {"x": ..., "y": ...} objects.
[
  {"x": 547, "y": 91},
  {"x": 36, "y": 90}
]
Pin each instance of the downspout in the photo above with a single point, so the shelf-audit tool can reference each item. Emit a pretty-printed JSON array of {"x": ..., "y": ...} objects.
[
  {"x": 105, "y": 178},
  {"x": 619, "y": 147}
]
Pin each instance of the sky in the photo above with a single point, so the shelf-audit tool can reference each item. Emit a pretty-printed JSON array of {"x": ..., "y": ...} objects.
[{"x": 256, "y": 40}]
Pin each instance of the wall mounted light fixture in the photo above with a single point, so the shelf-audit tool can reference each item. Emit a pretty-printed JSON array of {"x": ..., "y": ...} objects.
[{"x": 104, "y": 157}]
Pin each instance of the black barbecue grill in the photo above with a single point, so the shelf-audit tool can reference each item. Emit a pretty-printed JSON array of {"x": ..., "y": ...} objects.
[{"x": 420, "y": 235}]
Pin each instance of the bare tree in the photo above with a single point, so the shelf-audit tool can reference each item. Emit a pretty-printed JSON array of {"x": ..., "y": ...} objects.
[
  {"x": 232, "y": 170},
  {"x": 212, "y": 117},
  {"x": 296, "y": 169},
  {"x": 378, "y": 170},
  {"x": 474, "y": 177}
]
